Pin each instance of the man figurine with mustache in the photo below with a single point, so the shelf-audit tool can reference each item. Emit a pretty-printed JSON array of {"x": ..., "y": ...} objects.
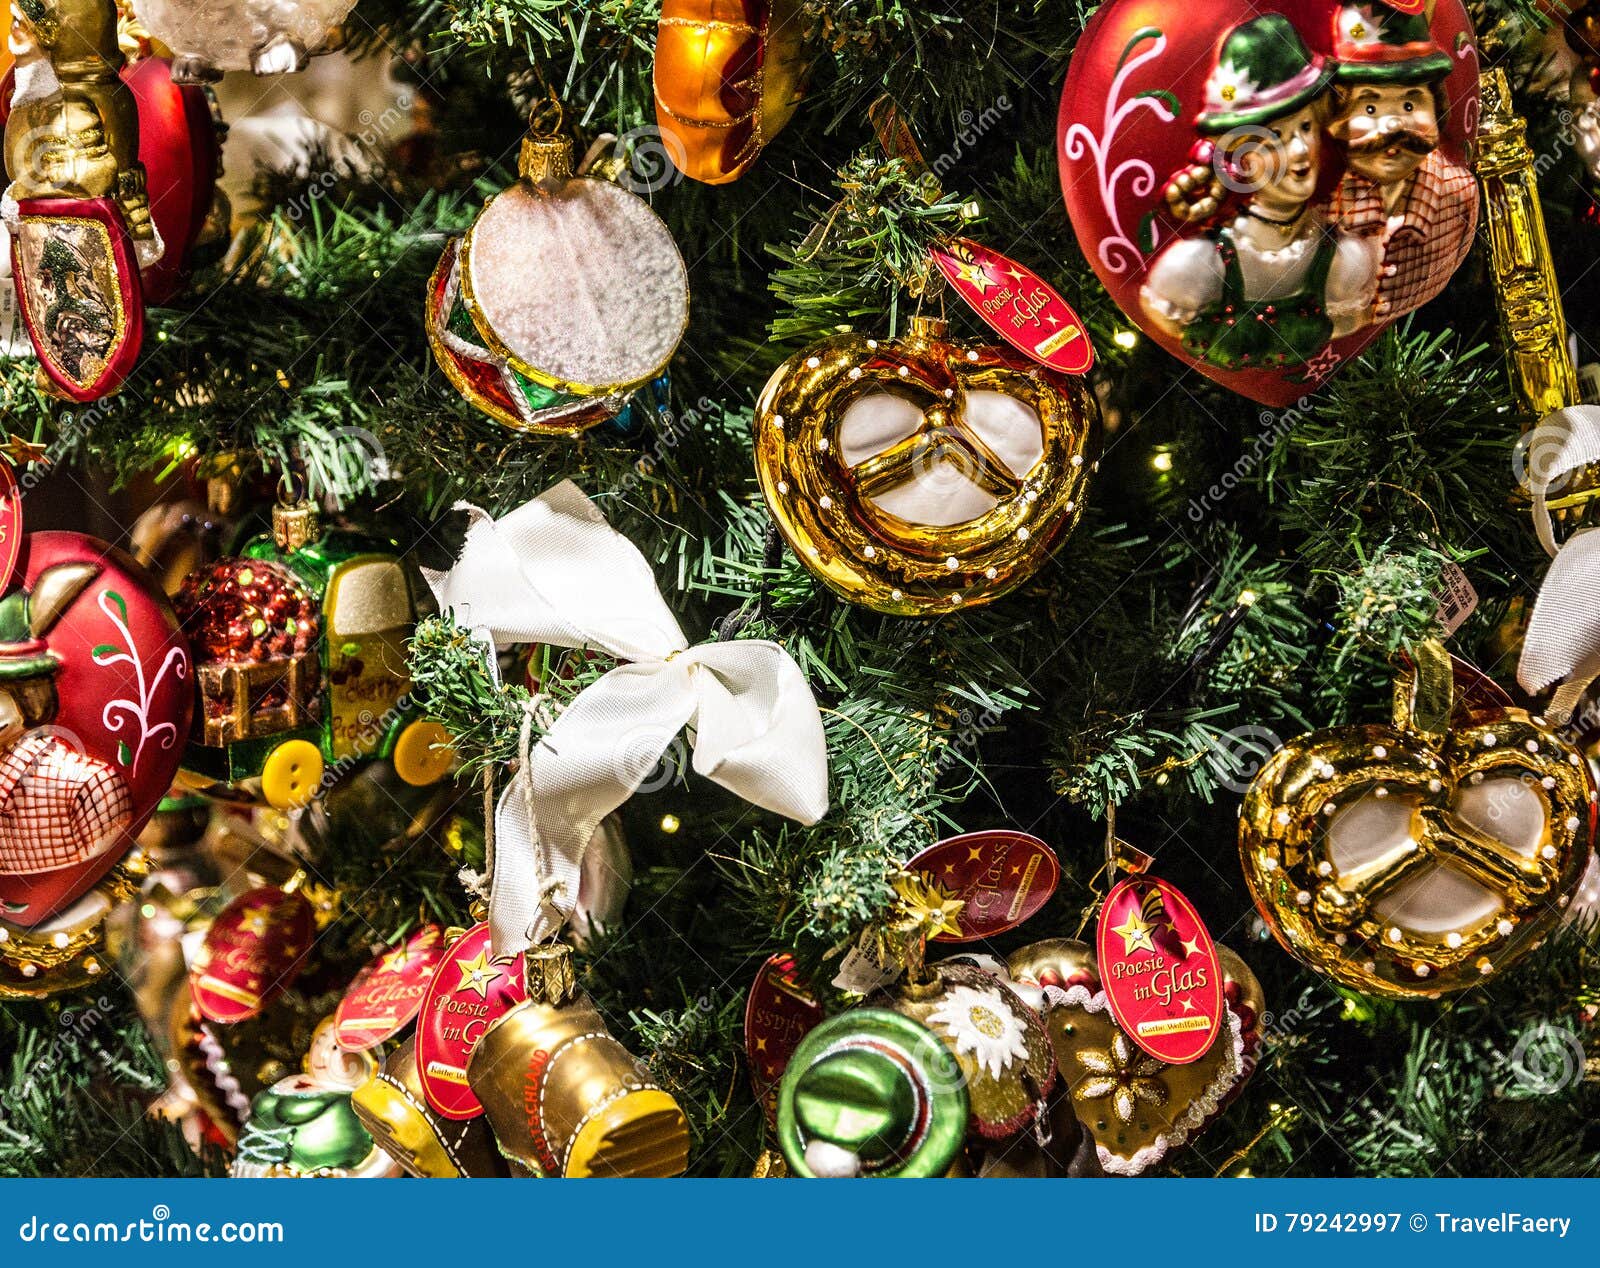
[
  {"x": 1271, "y": 281},
  {"x": 1398, "y": 189}
]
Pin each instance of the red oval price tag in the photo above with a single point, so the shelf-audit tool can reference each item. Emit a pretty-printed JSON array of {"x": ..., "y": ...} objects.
[
  {"x": 778, "y": 1013},
  {"x": 469, "y": 991},
  {"x": 387, "y": 994},
  {"x": 1017, "y": 304},
  {"x": 1001, "y": 877},
  {"x": 251, "y": 953},
  {"x": 1159, "y": 969}
]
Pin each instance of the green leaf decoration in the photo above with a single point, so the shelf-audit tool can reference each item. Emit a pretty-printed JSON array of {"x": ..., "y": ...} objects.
[
  {"x": 1139, "y": 37},
  {"x": 1166, "y": 96},
  {"x": 124, "y": 753},
  {"x": 122, "y": 606},
  {"x": 105, "y": 649},
  {"x": 1147, "y": 232}
]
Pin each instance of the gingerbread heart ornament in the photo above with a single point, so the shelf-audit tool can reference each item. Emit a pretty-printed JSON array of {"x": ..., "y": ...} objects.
[
  {"x": 1138, "y": 1109},
  {"x": 1263, "y": 186}
]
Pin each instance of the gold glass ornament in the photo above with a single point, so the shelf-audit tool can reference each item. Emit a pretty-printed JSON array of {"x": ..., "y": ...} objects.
[
  {"x": 1532, "y": 321},
  {"x": 1418, "y": 858},
  {"x": 915, "y": 475},
  {"x": 563, "y": 1096},
  {"x": 728, "y": 76}
]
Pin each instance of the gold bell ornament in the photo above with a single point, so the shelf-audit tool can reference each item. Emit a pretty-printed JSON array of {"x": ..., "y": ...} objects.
[
  {"x": 1419, "y": 857},
  {"x": 566, "y": 295},
  {"x": 916, "y": 475},
  {"x": 563, "y": 1096}
]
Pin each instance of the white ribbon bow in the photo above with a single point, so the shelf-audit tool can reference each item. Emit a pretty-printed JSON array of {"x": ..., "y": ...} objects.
[
  {"x": 1562, "y": 644},
  {"x": 553, "y": 571}
]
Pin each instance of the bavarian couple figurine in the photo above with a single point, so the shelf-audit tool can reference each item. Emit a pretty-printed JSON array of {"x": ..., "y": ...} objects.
[{"x": 1274, "y": 284}]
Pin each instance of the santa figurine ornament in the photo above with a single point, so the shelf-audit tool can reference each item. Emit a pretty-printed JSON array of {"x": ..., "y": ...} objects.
[
  {"x": 1262, "y": 188},
  {"x": 94, "y": 703}
]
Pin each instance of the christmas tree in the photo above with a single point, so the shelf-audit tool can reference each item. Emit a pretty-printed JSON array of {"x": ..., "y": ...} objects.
[{"x": 1236, "y": 573}]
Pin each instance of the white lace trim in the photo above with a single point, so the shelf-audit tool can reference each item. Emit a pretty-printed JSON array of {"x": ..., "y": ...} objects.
[{"x": 1193, "y": 1118}]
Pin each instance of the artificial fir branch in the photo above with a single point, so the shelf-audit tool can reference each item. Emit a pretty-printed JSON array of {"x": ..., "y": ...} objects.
[{"x": 1124, "y": 671}]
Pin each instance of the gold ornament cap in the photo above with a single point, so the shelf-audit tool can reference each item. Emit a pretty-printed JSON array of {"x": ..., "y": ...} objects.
[
  {"x": 545, "y": 159},
  {"x": 548, "y": 974},
  {"x": 295, "y": 525}
]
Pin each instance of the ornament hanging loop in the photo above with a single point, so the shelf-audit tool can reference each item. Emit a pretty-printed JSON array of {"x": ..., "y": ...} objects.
[
  {"x": 1424, "y": 693},
  {"x": 546, "y": 116}
]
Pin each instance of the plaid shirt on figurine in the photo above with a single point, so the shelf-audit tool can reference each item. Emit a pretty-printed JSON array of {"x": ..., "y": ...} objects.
[{"x": 1425, "y": 238}]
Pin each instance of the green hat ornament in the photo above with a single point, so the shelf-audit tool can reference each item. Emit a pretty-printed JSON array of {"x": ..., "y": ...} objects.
[
  {"x": 1263, "y": 72},
  {"x": 1374, "y": 44},
  {"x": 871, "y": 1093}
]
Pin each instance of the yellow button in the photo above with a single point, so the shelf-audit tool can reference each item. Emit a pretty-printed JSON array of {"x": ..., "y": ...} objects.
[
  {"x": 423, "y": 754},
  {"x": 292, "y": 774}
]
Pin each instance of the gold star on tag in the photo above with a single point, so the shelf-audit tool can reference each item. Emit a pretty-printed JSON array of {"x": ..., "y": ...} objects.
[
  {"x": 1135, "y": 935},
  {"x": 256, "y": 920},
  {"x": 1190, "y": 946},
  {"x": 396, "y": 960},
  {"x": 974, "y": 274},
  {"x": 18, "y": 451},
  {"x": 477, "y": 974},
  {"x": 1014, "y": 275}
]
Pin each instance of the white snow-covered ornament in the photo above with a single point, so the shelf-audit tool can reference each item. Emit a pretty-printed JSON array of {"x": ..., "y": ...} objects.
[
  {"x": 268, "y": 37},
  {"x": 574, "y": 279}
]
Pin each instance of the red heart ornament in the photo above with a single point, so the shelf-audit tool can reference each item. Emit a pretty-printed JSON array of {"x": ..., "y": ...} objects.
[
  {"x": 97, "y": 690},
  {"x": 1262, "y": 187}
]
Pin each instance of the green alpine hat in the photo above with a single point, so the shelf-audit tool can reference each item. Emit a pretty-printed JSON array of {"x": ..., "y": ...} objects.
[
  {"x": 21, "y": 654},
  {"x": 874, "y": 1093},
  {"x": 1374, "y": 44},
  {"x": 1263, "y": 72}
]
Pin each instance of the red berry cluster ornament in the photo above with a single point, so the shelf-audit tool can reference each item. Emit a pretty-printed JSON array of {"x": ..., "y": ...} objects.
[{"x": 240, "y": 611}]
